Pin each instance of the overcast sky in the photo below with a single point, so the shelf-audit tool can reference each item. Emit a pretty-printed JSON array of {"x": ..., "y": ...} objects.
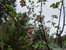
[{"x": 47, "y": 12}]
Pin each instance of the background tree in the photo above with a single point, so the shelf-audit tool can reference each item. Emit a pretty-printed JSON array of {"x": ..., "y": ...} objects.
[
  {"x": 58, "y": 34},
  {"x": 15, "y": 35}
]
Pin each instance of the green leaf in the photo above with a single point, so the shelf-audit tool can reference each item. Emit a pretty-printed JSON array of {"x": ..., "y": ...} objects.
[
  {"x": 13, "y": 13},
  {"x": 44, "y": 0},
  {"x": 55, "y": 16},
  {"x": 9, "y": 7},
  {"x": 40, "y": 44},
  {"x": 54, "y": 5},
  {"x": 57, "y": 3},
  {"x": 53, "y": 23},
  {"x": 48, "y": 21},
  {"x": 56, "y": 26}
]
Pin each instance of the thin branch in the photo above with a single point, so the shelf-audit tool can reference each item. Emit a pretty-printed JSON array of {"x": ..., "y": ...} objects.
[
  {"x": 41, "y": 9},
  {"x": 63, "y": 17},
  {"x": 59, "y": 19},
  {"x": 43, "y": 28}
]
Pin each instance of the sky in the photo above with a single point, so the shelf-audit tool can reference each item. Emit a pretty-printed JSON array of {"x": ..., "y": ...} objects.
[{"x": 47, "y": 12}]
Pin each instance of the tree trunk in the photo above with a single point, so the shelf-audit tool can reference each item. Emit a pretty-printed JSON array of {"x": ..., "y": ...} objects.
[{"x": 59, "y": 40}]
